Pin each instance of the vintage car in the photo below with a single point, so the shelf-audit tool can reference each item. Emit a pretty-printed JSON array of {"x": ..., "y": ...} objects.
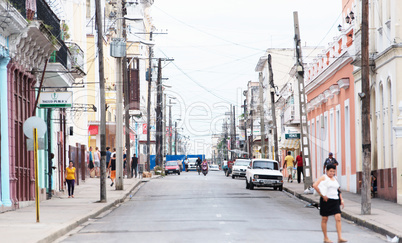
[
  {"x": 172, "y": 167},
  {"x": 239, "y": 167},
  {"x": 264, "y": 173}
]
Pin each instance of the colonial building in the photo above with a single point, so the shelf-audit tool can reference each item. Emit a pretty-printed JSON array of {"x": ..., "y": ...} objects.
[
  {"x": 26, "y": 47},
  {"x": 331, "y": 109},
  {"x": 385, "y": 74}
]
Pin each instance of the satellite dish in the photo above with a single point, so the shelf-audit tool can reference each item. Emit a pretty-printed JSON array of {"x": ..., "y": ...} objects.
[{"x": 34, "y": 122}]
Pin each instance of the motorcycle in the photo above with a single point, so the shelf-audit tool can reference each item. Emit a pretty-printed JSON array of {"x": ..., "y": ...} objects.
[{"x": 204, "y": 168}]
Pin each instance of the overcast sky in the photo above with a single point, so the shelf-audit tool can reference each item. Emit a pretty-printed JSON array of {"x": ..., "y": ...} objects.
[{"x": 216, "y": 45}]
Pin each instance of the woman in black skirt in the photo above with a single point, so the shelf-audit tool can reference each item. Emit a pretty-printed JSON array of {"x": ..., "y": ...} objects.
[{"x": 330, "y": 201}]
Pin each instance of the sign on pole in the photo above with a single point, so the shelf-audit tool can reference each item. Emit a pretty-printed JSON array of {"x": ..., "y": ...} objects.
[
  {"x": 34, "y": 128},
  {"x": 55, "y": 99}
]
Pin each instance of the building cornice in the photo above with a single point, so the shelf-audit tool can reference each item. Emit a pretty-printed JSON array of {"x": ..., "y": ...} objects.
[{"x": 339, "y": 63}]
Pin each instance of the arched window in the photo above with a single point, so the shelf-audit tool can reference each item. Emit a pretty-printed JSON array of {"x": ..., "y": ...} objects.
[{"x": 381, "y": 116}]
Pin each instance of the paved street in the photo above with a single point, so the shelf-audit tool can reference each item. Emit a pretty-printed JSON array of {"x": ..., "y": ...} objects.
[{"x": 215, "y": 208}]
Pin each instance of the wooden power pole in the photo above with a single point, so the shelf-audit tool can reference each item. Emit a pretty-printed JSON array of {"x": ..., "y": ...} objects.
[
  {"x": 275, "y": 129},
  {"x": 102, "y": 103},
  {"x": 365, "y": 97},
  {"x": 262, "y": 120},
  {"x": 148, "y": 162},
  {"x": 126, "y": 98},
  {"x": 159, "y": 133}
]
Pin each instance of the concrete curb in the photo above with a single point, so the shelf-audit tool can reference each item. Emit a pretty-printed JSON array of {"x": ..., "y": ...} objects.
[
  {"x": 357, "y": 220},
  {"x": 70, "y": 226}
]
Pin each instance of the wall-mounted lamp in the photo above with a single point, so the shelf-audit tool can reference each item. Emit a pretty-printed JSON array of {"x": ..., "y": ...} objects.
[{"x": 352, "y": 15}]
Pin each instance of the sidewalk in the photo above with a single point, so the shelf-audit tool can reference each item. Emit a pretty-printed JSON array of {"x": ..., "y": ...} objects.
[
  {"x": 62, "y": 214},
  {"x": 385, "y": 218}
]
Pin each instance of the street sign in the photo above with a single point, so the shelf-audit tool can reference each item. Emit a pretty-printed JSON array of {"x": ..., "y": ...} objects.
[
  {"x": 34, "y": 122},
  {"x": 292, "y": 135},
  {"x": 55, "y": 99}
]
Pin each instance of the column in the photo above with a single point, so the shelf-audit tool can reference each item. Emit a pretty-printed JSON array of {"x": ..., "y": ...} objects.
[
  {"x": 398, "y": 147},
  {"x": 5, "y": 153}
]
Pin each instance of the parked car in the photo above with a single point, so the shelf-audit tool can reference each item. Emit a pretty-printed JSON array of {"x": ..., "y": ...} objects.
[
  {"x": 192, "y": 163},
  {"x": 239, "y": 167},
  {"x": 264, "y": 173},
  {"x": 213, "y": 167},
  {"x": 172, "y": 167}
]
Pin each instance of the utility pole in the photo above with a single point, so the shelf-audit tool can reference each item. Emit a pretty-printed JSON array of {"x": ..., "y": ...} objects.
[
  {"x": 175, "y": 138},
  {"x": 271, "y": 82},
  {"x": 119, "y": 104},
  {"x": 164, "y": 126},
  {"x": 365, "y": 97},
  {"x": 170, "y": 127},
  {"x": 304, "y": 139},
  {"x": 262, "y": 120},
  {"x": 245, "y": 122},
  {"x": 149, "y": 106},
  {"x": 126, "y": 98},
  {"x": 102, "y": 103},
  {"x": 251, "y": 142},
  {"x": 225, "y": 147},
  {"x": 234, "y": 131},
  {"x": 231, "y": 132},
  {"x": 158, "y": 158}
]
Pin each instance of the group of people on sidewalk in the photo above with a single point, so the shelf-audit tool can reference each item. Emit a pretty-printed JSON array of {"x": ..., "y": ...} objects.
[
  {"x": 94, "y": 168},
  {"x": 111, "y": 164},
  {"x": 327, "y": 186}
]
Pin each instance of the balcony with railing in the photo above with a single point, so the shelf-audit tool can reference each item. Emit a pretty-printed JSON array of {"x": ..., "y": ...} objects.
[
  {"x": 289, "y": 114},
  {"x": 77, "y": 59}
]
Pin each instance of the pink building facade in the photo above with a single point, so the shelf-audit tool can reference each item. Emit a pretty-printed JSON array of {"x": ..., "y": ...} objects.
[{"x": 331, "y": 110}]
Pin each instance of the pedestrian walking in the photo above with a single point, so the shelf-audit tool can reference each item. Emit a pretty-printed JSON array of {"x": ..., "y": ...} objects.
[
  {"x": 71, "y": 174},
  {"x": 330, "y": 160},
  {"x": 134, "y": 164},
  {"x": 186, "y": 164},
  {"x": 299, "y": 161},
  {"x": 124, "y": 163},
  {"x": 91, "y": 165},
  {"x": 330, "y": 201},
  {"x": 108, "y": 157},
  {"x": 97, "y": 157},
  {"x": 289, "y": 160},
  {"x": 112, "y": 167}
]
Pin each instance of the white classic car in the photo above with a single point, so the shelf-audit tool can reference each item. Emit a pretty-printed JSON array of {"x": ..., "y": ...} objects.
[
  {"x": 264, "y": 173},
  {"x": 239, "y": 167}
]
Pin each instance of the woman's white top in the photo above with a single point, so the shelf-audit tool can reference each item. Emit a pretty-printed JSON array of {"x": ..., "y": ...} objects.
[
  {"x": 96, "y": 156},
  {"x": 329, "y": 187}
]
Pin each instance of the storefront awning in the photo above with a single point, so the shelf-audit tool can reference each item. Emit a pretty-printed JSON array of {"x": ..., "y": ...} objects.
[{"x": 290, "y": 144}]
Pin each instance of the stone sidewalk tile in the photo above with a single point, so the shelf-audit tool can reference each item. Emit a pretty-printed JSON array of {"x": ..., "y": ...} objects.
[
  {"x": 385, "y": 218},
  {"x": 60, "y": 215}
]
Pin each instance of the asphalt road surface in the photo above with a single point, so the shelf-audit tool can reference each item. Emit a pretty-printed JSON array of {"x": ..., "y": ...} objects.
[{"x": 212, "y": 208}]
